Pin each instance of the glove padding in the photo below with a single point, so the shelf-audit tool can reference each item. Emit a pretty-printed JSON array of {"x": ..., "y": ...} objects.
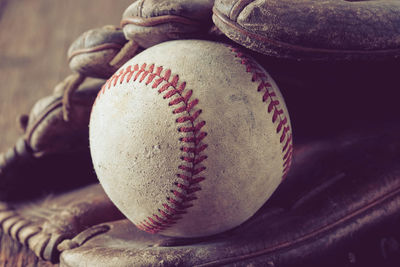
[
  {"x": 339, "y": 206},
  {"x": 53, "y": 154}
]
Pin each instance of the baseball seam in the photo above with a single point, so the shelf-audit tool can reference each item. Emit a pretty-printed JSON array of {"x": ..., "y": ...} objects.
[
  {"x": 278, "y": 114},
  {"x": 191, "y": 168},
  {"x": 184, "y": 192}
]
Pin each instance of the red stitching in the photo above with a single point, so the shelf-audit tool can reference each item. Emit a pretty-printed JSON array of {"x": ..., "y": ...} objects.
[
  {"x": 173, "y": 209},
  {"x": 274, "y": 106}
]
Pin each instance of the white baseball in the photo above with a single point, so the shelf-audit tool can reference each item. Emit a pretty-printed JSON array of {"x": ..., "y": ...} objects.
[{"x": 190, "y": 138}]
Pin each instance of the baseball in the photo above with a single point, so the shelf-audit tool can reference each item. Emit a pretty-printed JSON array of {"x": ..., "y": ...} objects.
[{"x": 190, "y": 138}]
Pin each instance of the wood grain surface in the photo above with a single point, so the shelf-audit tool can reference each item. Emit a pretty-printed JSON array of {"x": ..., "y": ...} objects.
[{"x": 34, "y": 38}]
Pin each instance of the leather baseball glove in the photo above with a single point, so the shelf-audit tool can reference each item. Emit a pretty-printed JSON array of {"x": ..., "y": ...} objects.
[{"x": 339, "y": 206}]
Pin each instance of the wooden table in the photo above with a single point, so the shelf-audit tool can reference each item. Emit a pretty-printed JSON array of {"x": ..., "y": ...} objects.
[{"x": 34, "y": 38}]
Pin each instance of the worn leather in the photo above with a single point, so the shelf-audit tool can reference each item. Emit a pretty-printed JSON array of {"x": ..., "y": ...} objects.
[
  {"x": 310, "y": 29},
  {"x": 150, "y": 22},
  {"x": 339, "y": 206},
  {"x": 43, "y": 223},
  {"x": 91, "y": 53},
  {"x": 46, "y": 129},
  {"x": 52, "y": 154}
]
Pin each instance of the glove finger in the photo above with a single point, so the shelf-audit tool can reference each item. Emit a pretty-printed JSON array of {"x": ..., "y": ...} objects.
[
  {"x": 53, "y": 155},
  {"x": 48, "y": 133},
  {"x": 152, "y": 22},
  {"x": 307, "y": 30},
  {"x": 91, "y": 53}
]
